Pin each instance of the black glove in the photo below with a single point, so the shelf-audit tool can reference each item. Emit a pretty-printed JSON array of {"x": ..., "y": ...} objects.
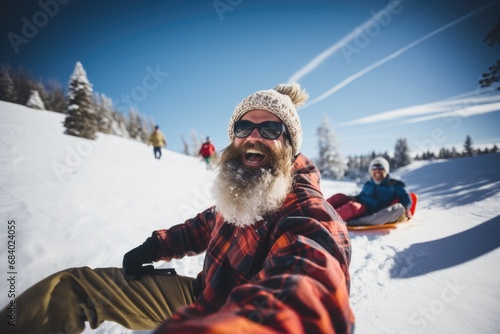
[{"x": 133, "y": 260}]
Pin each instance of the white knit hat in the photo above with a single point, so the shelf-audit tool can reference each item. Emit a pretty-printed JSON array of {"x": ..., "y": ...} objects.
[
  {"x": 281, "y": 101},
  {"x": 379, "y": 161}
]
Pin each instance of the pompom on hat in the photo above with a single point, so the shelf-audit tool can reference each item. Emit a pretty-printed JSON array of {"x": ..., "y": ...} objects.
[
  {"x": 281, "y": 101},
  {"x": 379, "y": 161}
]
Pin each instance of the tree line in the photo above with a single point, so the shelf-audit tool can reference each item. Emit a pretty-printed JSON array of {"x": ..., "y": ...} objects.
[
  {"x": 332, "y": 164},
  {"x": 87, "y": 112},
  {"x": 468, "y": 151}
]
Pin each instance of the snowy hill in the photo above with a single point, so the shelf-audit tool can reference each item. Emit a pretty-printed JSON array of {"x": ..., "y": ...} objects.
[
  {"x": 440, "y": 272},
  {"x": 78, "y": 203}
]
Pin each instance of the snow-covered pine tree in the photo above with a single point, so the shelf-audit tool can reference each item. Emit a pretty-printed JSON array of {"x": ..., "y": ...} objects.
[
  {"x": 104, "y": 107},
  {"x": 7, "y": 92},
  {"x": 356, "y": 168},
  {"x": 81, "y": 117},
  {"x": 145, "y": 128},
  {"x": 401, "y": 154},
  {"x": 119, "y": 125},
  {"x": 185, "y": 146},
  {"x": 195, "y": 148},
  {"x": 35, "y": 101},
  {"x": 42, "y": 92},
  {"x": 133, "y": 123},
  {"x": 141, "y": 127},
  {"x": 468, "y": 148},
  {"x": 151, "y": 124},
  {"x": 330, "y": 162}
]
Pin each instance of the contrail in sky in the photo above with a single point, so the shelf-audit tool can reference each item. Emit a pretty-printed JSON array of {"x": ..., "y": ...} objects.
[
  {"x": 394, "y": 55},
  {"x": 316, "y": 61},
  {"x": 469, "y": 104}
]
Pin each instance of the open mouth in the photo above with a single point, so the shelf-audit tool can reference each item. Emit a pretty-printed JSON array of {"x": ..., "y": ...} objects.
[{"x": 254, "y": 157}]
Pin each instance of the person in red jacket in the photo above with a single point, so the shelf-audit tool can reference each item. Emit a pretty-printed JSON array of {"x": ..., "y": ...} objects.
[
  {"x": 276, "y": 253},
  {"x": 207, "y": 151}
]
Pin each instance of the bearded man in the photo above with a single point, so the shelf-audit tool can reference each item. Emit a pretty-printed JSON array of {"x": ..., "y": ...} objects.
[{"x": 277, "y": 254}]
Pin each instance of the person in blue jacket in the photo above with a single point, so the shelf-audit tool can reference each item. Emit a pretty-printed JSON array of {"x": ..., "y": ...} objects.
[{"x": 377, "y": 194}]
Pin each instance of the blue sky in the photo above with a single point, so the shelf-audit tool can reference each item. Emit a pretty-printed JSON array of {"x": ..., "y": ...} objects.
[{"x": 378, "y": 70}]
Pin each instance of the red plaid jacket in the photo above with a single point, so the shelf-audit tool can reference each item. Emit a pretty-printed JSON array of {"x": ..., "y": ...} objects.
[{"x": 288, "y": 273}]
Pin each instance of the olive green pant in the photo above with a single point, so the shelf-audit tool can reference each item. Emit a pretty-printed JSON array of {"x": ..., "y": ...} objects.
[{"x": 62, "y": 302}]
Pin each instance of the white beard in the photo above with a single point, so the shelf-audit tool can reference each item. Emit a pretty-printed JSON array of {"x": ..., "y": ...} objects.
[{"x": 245, "y": 197}]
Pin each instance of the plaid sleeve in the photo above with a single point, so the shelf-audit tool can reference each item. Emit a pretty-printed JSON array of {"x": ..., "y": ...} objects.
[
  {"x": 302, "y": 288},
  {"x": 189, "y": 238}
]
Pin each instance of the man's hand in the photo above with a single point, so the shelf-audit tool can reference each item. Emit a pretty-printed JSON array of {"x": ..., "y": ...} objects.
[
  {"x": 133, "y": 260},
  {"x": 408, "y": 214}
]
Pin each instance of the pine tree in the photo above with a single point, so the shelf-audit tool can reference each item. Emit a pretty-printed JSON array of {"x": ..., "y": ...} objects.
[
  {"x": 468, "y": 149},
  {"x": 119, "y": 125},
  {"x": 355, "y": 169},
  {"x": 151, "y": 124},
  {"x": 330, "y": 162},
  {"x": 7, "y": 92},
  {"x": 492, "y": 78},
  {"x": 23, "y": 85},
  {"x": 146, "y": 127},
  {"x": 197, "y": 142},
  {"x": 104, "y": 107},
  {"x": 35, "y": 101},
  {"x": 133, "y": 123},
  {"x": 81, "y": 117},
  {"x": 142, "y": 128},
  {"x": 55, "y": 100},
  {"x": 185, "y": 146},
  {"x": 401, "y": 153},
  {"x": 444, "y": 153}
]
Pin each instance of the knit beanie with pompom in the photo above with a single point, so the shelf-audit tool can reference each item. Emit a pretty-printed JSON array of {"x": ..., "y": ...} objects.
[{"x": 281, "y": 101}]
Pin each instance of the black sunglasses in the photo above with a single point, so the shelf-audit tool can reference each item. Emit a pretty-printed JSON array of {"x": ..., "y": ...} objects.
[
  {"x": 377, "y": 166},
  {"x": 268, "y": 130}
]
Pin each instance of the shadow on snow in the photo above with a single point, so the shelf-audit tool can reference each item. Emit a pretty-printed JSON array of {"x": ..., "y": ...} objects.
[
  {"x": 457, "y": 182},
  {"x": 426, "y": 257}
]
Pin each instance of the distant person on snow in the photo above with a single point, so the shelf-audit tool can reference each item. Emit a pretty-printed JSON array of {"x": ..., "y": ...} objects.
[
  {"x": 157, "y": 139},
  {"x": 207, "y": 151},
  {"x": 378, "y": 194},
  {"x": 276, "y": 253}
]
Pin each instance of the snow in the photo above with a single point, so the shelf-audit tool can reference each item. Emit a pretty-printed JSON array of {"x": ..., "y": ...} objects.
[{"x": 78, "y": 202}]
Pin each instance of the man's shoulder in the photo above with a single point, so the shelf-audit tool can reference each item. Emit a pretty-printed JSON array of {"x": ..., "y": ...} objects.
[
  {"x": 306, "y": 174},
  {"x": 304, "y": 165},
  {"x": 395, "y": 182}
]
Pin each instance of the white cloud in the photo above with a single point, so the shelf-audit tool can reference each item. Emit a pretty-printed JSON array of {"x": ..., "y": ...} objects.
[{"x": 464, "y": 105}]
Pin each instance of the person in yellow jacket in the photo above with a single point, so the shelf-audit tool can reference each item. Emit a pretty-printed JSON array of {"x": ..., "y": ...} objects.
[{"x": 157, "y": 139}]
